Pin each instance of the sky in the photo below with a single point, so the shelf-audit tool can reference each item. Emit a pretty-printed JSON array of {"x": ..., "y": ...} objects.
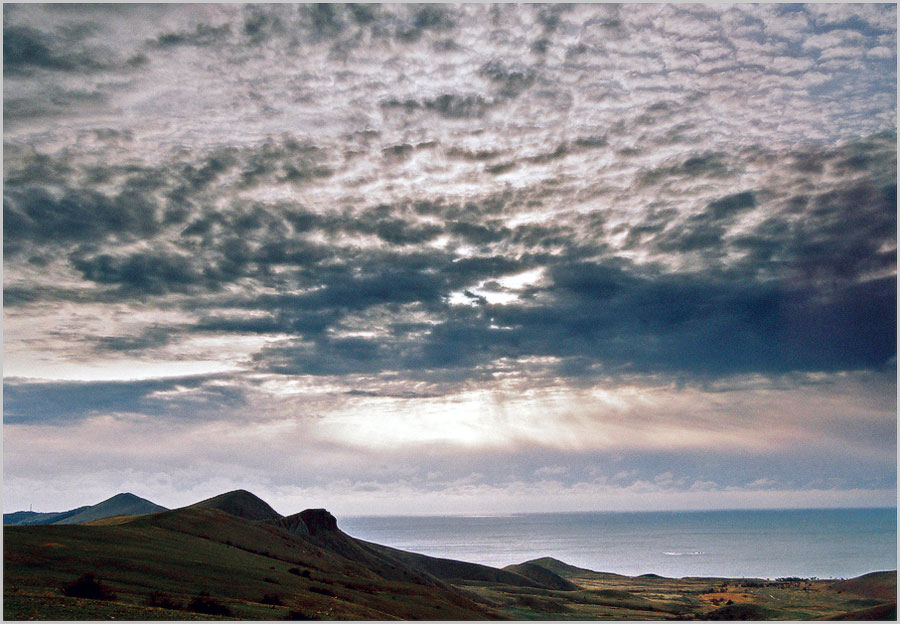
[{"x": 450, "y": 259}]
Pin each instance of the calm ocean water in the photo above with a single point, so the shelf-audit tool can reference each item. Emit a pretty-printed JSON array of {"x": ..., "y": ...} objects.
[{"x": 823, "y": 543}]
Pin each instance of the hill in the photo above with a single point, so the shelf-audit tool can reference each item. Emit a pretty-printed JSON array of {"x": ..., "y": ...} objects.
[
  {"x": 240, "y": 503},
  {"x": 457, "y": 571},
  {"x": 542, "y": 576},
  {"x": 886, "y": 612},
  {"x": 256, "y": 569},
  {"x": 233, "y": 556},
  {"x": 567, "y": 571},
  {"x": 125, "y": 504},
  {"x": 878, "y": 585},
  {"x": 34, "y": 517}
]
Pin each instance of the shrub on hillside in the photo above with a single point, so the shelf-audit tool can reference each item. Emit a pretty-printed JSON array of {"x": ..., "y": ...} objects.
[
  {"x": 296, "y": 614},
  {"x": 272, "y": 599},
  {"x": 203, "y": 603},
  {"x": 86, "y": 586},
  {"x": 162, "y": 600}
]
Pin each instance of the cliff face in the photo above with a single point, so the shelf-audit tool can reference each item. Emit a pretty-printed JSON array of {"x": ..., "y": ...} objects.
[
  {"x": 294, "y": 524},
  {"x": 318, "y": 521},
  {"x": 309, "y": 523}
]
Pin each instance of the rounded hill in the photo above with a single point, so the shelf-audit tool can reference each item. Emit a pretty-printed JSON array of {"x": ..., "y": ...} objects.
[{"x": 240, "y": 503}]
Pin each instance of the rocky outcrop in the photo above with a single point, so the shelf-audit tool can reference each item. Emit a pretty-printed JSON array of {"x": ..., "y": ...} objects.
[
  {"x": 318, "y": 521},
  {"x": 293, "y": 524}
]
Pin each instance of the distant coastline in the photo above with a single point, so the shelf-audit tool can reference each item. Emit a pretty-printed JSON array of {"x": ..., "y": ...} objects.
[{"x": 821, "y": 543}]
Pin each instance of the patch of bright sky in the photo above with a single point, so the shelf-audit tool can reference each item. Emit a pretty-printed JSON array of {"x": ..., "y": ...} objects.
[
  {"x": 594, "y": 419},
  {"x": 28, "y": 365},
  {"x": 515, "y": 282}
]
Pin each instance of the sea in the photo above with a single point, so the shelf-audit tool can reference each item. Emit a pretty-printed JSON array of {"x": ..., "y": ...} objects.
[{"x": 771, "y": 544}]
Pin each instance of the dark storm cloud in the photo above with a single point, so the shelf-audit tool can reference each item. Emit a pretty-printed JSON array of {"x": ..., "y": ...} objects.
[
  {"x": 595, "y": 317},
  {"x": 142, "y": 273},
  {"x": 329, "y": 356},
  {"x": 285, "y": 161},
  {"x": 34, "y": 214},
  {"x": 150, "y": 338},
  {"x": 384, "y": 285},
  {"x": 26, "y": 48},
  {"x": 606, "y": 320},
  {"x": 695, "y": 165},
  {"x": 61, "y": 403},
  {"x": 844, "y": 234},
  {"x": 705, "y": 230},
  {"x": 34, "y": 168},
  {"x": 286, "y": 319},
  {"x": 14, "y": 296},
  {"x": 821, "y": 312},
  {"x": 704, "y": 326}
]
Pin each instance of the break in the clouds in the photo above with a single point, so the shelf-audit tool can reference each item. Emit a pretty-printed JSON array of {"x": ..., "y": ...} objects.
[{"x": 478, "y": 257}]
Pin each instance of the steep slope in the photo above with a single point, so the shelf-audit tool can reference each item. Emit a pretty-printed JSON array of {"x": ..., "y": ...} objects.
[
  {"x": 125, "y": 504},
  {"x": 454, "y": 571},
  {"x": 240, "y": 503},
  {"x": 319, "y": 527}
]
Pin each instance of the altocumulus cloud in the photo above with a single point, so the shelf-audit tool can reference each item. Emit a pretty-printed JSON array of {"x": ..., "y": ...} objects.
[{"x": 303, "y": 216}]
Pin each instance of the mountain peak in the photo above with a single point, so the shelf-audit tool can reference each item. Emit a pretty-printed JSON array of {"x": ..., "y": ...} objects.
[
  {"x": 124, "y": 497},
  {"x": 123, "y": 504},
  {"x": 240, "y": 503}
]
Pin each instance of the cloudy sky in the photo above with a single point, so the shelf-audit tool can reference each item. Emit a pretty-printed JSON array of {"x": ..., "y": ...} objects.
[{"x": 437, "y": 259}]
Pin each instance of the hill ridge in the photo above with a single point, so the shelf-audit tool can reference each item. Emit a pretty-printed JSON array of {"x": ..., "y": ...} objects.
[{"x": 121, "y": 504}]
